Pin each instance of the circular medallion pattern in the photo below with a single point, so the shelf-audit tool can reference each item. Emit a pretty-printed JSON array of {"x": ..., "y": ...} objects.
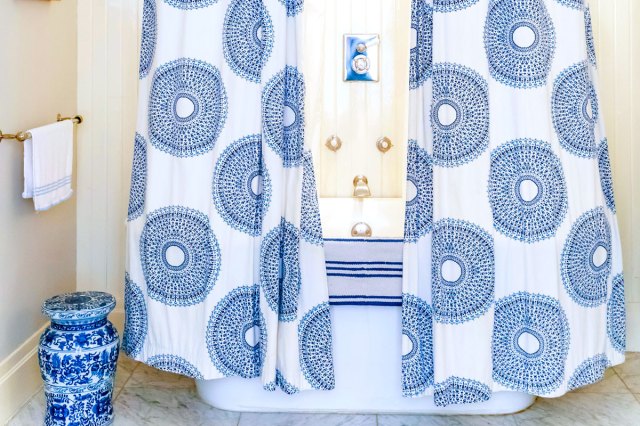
[
  {"x": 574, "y": 106},
  {"x": 280, "y": 270},
  {"x": 316, "y": 353},
  {"x": 187, "y": 107},
  {"x": 174, "y": 364},
  {"x": 606, "y": 178},
  {"x": 419, "y": 211},
  {"x": 149, "y": 37},
  {"x": 138, "y": 178},
  {"x": 237, "y": 333},
  {"x": 417, "y": 334},
  {"x": 574, "y": 4},
  {"x": 247, "y": 38},
  {"x": 310, "y": 224},
  {"x": 135, "y": 318},
  {"x": 283, "y": 115},
  {"x": 616, "y": 315},
  {"x": 589, "y": 371},
  {"x": 586, "y": 259},
  {"x": 591, "y": 45},
  {"x": 180, "y": 256},
  {"x": 293, "y": 6},
  {"x": 458, "y": 390},
  {"x": 452, "y": 5},
  {"x": 241, "y": 185},
  {"x": 462, "y": 271},
  {"x": 190, "y": 4},
  {"x": 530, "y": 343},
  {"x": 519, "y": 39},
  {"x": 421, "y": 57},
  {"x": 527, "y": 190},
  {"x": 282, "y": 383},
  {"x": 459, "y": 115}
]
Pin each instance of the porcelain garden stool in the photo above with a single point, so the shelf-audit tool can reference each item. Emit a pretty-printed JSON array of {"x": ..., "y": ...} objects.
[{"x": 78, "y": 355}]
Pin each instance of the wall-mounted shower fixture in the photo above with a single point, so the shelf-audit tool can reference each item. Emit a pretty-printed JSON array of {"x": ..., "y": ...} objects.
[
  {"x": 334, "y": 143},
  {"x": 384, "y": 144},
  {"x": 361, "y": 229},
  {"x": 361, "y": 53},
  {"x": 361, "y": 187}
]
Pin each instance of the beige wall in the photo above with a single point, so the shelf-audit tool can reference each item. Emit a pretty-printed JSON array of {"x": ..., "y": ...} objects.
[
  {"x": 37, "y": 251},
  {"x": 108, "y": 28},
  {"x": 37, "y": 81}
]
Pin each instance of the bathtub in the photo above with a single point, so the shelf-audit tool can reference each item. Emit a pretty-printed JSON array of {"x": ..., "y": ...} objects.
[{"x": 366, "y": 344}]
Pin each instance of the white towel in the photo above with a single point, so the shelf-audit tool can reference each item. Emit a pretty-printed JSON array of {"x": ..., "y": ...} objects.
[{"x": 48, "y": 164}]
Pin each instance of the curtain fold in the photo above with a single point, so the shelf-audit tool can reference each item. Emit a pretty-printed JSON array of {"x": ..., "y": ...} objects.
[
  {"x": 512, "y": 266},
  {"x": 225, "y": 264}
]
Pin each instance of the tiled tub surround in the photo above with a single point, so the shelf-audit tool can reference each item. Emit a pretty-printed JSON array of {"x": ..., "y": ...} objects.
[{"x": 146, "y": 396}]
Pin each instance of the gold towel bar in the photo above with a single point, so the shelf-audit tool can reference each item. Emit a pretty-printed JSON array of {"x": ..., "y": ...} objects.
[{"x": 23, "y": 136}]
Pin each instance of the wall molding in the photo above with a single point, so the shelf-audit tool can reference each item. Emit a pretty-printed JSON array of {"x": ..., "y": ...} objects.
[{"x": 20, "y": 376}]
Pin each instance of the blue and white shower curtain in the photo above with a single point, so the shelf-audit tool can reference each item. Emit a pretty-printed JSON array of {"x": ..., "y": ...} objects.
[
  {"x": 225, "y": 265},
  {"x": 512, "y": 266}
]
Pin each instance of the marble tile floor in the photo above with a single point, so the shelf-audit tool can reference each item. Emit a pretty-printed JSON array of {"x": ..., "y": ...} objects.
[{"x": 145, "y": 396}]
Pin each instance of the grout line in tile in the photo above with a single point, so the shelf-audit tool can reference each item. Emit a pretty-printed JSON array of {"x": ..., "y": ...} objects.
[
  {"x": 126, "y": 381},
  {"x": 40, "y": 389}
]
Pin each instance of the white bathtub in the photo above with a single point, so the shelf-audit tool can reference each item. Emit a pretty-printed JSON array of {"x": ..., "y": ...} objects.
[{"x": 367, "y": 348}]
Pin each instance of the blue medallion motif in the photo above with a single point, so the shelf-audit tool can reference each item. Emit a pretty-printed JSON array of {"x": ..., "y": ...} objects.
[
  {"x": 519, "y": 39},
  {"x": 180, "y": 256},
  {"x": 591, "y": 45},
  {"x": 187, "y": 107},
  {"x": 586, "y": 259},
  {"x": 616, "y": 315},
  {"x": 138, "y": 178},
  {"x": 135, "y": 319},
  {"x": 293, "y": 6},
  {"x": 190, "y": 4},
  {"x": 462, "y": 271},
  {"x": 282, "y": 383},
  {"x": 310, "y": 224},
  {"x": 247, "y": 38},
  {"x": 237, "y": 334},
  {"x": 280, "y": 270},
  {"x": 421, "y": 57},
  {"x": 241, "y": 185},
  {"x": 589, "y": 371},
  {"x": 149, "y": 37},
  {"x": 530, "y": 343},
  {"x": 574, "y": 106},
  {"x": 174, "y": 364},
  {"x": 419, "y": 211},
  {"x": 574, "y": 4},
  {"x": 458, "y": 390},
  {"x": 527, "y": 190},
  {"x": 316, "y": 353},
  {"x": 606, "y": 178},
  {"x": 283, "y": 115},
  {"x": 417, "y": 364},
  {"x": 459, "y": 115},
  {"x": 452, "y": 5}
]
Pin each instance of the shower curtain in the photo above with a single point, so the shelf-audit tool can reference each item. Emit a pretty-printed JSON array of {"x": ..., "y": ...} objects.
[
  {"x": 225, "y": 263},
  {"x": 512, "y": 266}
]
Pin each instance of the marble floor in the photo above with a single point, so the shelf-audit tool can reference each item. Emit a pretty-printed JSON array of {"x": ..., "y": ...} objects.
[{"x": 145, "y": 396}]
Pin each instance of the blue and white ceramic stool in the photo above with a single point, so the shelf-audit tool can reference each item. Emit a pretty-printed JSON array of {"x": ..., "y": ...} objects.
[{"x": 78, "y": 356}]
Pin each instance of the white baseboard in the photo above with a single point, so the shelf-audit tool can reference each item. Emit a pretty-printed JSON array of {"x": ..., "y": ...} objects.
[
  {"x": 19, "y": 377},
  {"x": 633, "y": 327}
]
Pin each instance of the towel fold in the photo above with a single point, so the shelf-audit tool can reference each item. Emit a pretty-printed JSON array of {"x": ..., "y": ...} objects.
[
  {"x": 48, "y": 164},
  {"x": 364, "y": 271}
]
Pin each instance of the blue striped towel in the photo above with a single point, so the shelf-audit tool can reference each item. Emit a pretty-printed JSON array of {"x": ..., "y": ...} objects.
[{"x": 364, "y": 271}]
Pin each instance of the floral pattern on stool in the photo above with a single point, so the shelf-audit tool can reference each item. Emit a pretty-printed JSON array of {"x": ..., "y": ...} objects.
[{"x": 78, "y": 355}]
